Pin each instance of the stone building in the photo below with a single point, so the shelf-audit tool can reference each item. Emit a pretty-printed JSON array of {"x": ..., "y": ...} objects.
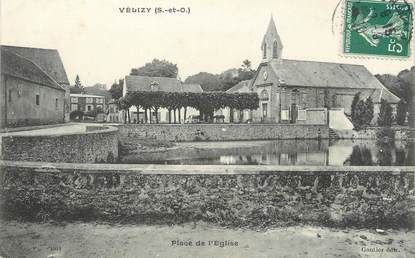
[
  {"x": 29, "y": 95},
  {"x": 297, "y": 91},
  {"x": 50, "y": 62},
  {"x": 113, "y": 113},
  {"x": 134, "y": 83},
  {"x": 87, "y": 99},
  {"x": 87, "y": 102}
]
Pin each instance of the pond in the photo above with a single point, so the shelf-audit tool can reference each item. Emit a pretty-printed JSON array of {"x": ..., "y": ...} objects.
[{"x": 284, "y": 152}]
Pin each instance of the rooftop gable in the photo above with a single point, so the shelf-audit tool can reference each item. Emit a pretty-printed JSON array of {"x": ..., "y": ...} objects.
[
  {"x": 48, "y": 60},
  {"x": 242, "y": 86},
  {"x": 17, "y": 66}
]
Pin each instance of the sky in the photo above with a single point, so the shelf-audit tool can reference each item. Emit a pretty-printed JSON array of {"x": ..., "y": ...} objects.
[{"x": 101, "y": 44}]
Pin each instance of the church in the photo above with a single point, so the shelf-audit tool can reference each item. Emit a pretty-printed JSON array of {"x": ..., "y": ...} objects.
[{"x": 305, "y": 92}]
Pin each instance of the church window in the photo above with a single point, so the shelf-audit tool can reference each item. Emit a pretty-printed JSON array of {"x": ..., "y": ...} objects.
[
  {"x": 265, "y": 50},
  {"x": 264, "y": 109},
  {"x": 275, "y": 50},
  {"x": 264, "y": 95}
]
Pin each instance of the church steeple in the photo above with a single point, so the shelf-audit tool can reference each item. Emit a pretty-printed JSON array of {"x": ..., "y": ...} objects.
[{"x": 271, "y": 44}]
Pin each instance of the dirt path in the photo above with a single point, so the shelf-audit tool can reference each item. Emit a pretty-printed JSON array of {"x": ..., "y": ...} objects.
[{"x": 100, "y": 240}]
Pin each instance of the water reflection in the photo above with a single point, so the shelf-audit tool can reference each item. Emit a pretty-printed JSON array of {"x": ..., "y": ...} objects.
[{"x": 286, "y": 152}]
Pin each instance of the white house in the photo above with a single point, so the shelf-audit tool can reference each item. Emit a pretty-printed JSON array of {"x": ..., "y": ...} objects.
[{"x": 133, "y": 83}]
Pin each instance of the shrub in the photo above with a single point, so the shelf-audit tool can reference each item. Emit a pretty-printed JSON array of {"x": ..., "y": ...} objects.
[
  {"x": 77, "y": 114},
  {"x": 385, "y": 117},
  {"x": 401, "y": 112}
]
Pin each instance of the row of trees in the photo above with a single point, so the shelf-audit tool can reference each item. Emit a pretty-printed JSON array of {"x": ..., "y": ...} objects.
[
  {"x": 205, "y": 102},
  {"x": 403, "y": 86},
  {"x": 362, "y": 113}
]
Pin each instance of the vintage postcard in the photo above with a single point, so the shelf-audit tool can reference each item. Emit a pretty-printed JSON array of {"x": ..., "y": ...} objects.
[{"x": 207, "y": 128}]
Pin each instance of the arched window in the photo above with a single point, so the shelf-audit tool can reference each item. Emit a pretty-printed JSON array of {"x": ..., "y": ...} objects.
[
  {"x": 264, "y": 95},
  {"x": 275, "y": 50},
  {"x": 265, "y": 51}
]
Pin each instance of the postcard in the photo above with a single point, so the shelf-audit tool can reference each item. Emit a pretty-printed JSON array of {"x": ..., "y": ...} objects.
[{"x": 190, "y": 128}]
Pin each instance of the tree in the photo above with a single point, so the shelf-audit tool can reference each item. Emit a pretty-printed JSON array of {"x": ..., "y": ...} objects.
[
  {"x": 368, "y": 112},
  {"x": 385, "y": 117},
  {"x": 355, "y": 100},
  {"x": 401, "y": 112},
  {"x": 225, "y": 80},
  {"x": 246, "y": 65},
  {"x": 208, "y": 81},
  {"x": 205, "y": 102},
  {"x": 116, "y": 89},
  {"x": 157, "y": 68},
  {"x": 76, "y": 114},
  {"x": 361, "y": 111},
  {"x": 78, "y": 83},
  {"x": 403, "y": 86}
]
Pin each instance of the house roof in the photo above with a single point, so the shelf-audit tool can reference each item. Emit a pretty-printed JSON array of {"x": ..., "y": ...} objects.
[
  {"x": 75, "y": 90},
  {"x": 323, "y": 74},
  {"x": 86, "y": 95},
  {"x": 97, "y": 91},
  {"x": 143, "y": 83},
  {"x": 192, "y": 87},
  {"x": 48, "y": 60},
  {"x": 91, "y": 91},
  {"x": 17, "y": 66},
  {"x": 242, "y": 86}
]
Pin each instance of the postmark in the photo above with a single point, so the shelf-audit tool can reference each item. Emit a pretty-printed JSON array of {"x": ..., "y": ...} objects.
[{"x": 377, "y": 28}]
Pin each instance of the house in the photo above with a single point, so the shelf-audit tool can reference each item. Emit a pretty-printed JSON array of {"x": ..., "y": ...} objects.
[
  {"x": 29, "y": 95},
  {"x": 88, "y": 99},
  {"x": 50, "y": 62},
  {"x": 87, "y": 102},
  {"x": 302, "y": 92},
  {"x": 133, "y": 83},
  {"x": 113, "y": 113}
]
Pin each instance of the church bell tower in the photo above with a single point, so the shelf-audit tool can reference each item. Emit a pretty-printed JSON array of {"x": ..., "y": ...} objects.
[{"x": 271, "y": 44}]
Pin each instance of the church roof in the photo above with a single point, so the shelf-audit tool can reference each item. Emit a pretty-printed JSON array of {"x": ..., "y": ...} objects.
[
  {"x": 17, "y": 66},
  {"x": 323, "y": 74},
  {"x": 242, "y": 86},
  {"x": 48, "y": 60}
]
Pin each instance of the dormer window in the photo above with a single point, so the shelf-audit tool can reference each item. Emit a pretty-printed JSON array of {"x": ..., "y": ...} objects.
[{"x": 154, "y": 86}]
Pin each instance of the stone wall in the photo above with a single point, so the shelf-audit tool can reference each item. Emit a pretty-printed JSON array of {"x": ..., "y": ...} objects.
[
  {"x": 397, "y": 133},
  {"x": 96, "y": 146},
  {"x": 20, "y": 108},
  {"x": 223, "y": 132},
  {"x": 235, "y": 196}
]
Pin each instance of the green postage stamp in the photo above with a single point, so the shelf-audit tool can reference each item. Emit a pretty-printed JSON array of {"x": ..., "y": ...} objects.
[{"x": 379, "y": 28}]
